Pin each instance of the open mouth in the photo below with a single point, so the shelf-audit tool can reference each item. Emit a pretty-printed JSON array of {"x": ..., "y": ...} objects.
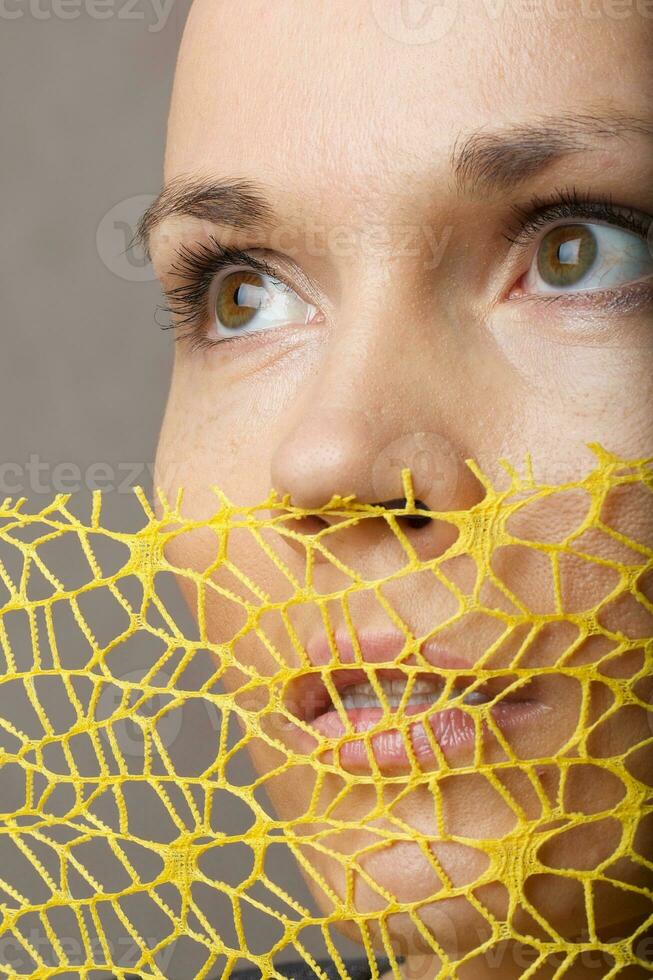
[
  {"x": 383, "y": 689},
  {"x": 373, "y": 704},
  {"x": 353, "y": 701},
  {"x": 424, "y": 691},
  {"x": 397, "y": 691}
]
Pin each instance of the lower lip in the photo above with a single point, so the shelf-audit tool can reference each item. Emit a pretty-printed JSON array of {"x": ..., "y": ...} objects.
[{"x": 453, "y": 729}]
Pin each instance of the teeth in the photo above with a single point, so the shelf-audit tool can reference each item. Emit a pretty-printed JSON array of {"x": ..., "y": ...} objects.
[
  {"x": 371, "y": 701},
  {"x": 395, "y": 686},
  {"x": 424, "y": 691},
  {"x": 476, "y": 697},
  {"x": 364, "y": 696}
]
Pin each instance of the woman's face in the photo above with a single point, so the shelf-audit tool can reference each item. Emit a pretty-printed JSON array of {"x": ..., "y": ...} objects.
[{"x": 456, "y": 203}]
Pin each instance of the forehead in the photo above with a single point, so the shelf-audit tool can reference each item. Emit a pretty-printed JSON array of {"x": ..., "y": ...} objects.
[{"x": 340, "y": 89}]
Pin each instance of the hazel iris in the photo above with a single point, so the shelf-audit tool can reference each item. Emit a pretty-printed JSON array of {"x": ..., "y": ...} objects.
[
  {"x": 239, "y": 298},
  {"x": 567, "y": 254}
]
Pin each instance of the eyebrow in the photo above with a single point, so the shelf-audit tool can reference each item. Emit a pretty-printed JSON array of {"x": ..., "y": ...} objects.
[
  {"x": 239, "y": 204},
  {"x": 501, "y": 158},
  {"x": 481, "y": 160}
]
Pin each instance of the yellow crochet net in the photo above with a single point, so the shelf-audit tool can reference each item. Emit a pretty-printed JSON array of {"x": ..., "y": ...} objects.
[{"x": 138, "y": 840}]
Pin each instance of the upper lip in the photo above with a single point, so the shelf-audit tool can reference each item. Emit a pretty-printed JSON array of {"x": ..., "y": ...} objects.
[{"x": 307, "y": 695}]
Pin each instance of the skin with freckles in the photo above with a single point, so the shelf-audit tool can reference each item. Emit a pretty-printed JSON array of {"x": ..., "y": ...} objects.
[{"x": 426, "y": 327}]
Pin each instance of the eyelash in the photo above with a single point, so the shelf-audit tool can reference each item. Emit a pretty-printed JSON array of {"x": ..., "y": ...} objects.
[
  {"x": 197, "y": 267},
  {"x": 571, "y": 204}
]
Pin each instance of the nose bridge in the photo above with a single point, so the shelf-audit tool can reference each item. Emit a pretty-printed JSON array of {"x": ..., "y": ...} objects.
[
  {"x": 376, "y": 406},
  {"x": 329, "y": 442}
]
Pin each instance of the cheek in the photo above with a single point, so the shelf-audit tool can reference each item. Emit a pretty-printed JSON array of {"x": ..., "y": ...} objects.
[
  {"x": 214, "y": 434},
  {"x": 576, "y": 381},
  {"x": 234, "y": 602}
]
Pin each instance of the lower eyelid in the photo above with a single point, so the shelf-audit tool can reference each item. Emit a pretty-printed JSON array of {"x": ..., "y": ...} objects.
[
  {"x": 199, "y": 339},
  {"x": 628, "y": 298}
]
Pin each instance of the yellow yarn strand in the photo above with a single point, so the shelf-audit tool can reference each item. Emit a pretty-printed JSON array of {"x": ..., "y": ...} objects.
[{"x": 236, "y": 867}]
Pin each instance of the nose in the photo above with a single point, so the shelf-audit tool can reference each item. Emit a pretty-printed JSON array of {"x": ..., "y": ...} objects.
[{"x": 355, "y": 432}]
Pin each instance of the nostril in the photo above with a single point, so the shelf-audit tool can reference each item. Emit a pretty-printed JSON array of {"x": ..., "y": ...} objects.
[
  {"x": 310, "y": 524},
  {"x": 413, "y": 520}
]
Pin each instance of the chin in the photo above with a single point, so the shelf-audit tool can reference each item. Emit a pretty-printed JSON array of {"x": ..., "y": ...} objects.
[{"x": 440, "y": 914}]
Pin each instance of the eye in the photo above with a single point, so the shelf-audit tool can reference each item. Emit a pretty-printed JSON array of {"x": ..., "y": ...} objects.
[
  {"x": 574, "y": 258},
  {"x": 248, "y": 302}
]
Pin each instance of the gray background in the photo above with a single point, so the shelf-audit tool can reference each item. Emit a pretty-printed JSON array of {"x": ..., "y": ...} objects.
[
  {"x": 83, "y": 113},
  {"x": 84, "y": 365}
]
